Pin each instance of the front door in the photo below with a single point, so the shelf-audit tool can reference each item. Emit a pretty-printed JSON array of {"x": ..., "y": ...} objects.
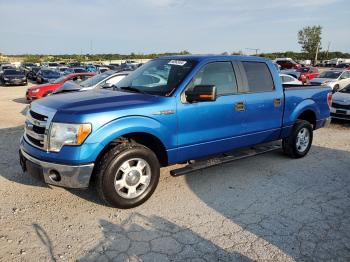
[{"x": 207, "y": 128}]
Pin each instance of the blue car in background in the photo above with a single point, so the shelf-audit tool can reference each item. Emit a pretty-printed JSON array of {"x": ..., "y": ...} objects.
[
  {"x": 46, "y": 76},
  {"x": 91, "y": 68}
]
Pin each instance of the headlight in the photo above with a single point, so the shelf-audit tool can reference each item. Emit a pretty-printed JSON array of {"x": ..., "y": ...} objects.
[
  {"x": 23, "y": 78},
  {"x": 5, "y": 78},
  {"x": 35, "y": 90},
  {"x": 67, "y": 134}
]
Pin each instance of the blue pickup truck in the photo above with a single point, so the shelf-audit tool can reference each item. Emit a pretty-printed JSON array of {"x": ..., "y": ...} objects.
[{"x": 176, "y": 109}]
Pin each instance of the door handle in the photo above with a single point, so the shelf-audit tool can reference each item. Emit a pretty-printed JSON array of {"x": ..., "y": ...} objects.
[
  {"x": 240, "y": 106},
  {"x": 277, "y": 102}
]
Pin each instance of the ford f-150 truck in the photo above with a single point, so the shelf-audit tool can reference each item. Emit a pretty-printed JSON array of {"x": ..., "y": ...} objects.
[{"x": 176, "y": 109}]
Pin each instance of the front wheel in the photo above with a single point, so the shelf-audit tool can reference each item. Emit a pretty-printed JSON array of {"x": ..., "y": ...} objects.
[
  {"x": 127, "y": 175},
  {"x": 299, "y": 142}
]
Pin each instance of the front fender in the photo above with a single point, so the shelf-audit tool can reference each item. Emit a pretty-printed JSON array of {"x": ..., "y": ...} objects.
[{"x": 134, "y": 124}]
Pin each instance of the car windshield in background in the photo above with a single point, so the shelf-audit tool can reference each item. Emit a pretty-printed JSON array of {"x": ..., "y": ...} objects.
[
  {"x": 79, "y": 70},
  {"x": 53, "y": 74},
  {"x": 345, "y": 89},
  {"x": 59, "y": 79},
  {"x": 96, "y": 79},
  {"x": 158, "y": 77},
  {"x": 13, "y": 72},
  {"x": 330, "y": 74},
  {"x": 303, "y": 69},
  {"x": 53, "y": 64}
]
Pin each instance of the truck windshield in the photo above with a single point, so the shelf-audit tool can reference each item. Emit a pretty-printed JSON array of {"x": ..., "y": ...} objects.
[
  {"x": 157, "y": 77},
  {"x": 330, "y": 74}
]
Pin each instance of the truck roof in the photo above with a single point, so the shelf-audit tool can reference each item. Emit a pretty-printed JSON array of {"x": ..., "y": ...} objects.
[{"x": 215, "y": 57}]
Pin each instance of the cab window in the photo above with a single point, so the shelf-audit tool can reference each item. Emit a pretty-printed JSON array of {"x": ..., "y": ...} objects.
[
  {"x": 219, "y": 74},
  {"x": 258, "y": 76}
]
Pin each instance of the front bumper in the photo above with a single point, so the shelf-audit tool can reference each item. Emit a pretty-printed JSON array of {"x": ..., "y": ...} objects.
[
  {"x": 340, "y": 113},
  {"x": 15, "y": 82},
  {"x": 70, "y": 176}
]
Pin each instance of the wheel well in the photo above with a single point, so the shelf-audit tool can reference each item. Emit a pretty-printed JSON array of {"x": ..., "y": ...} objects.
[
  {"x": 146, "y": 139},
  {"x": 309, "y": 116}
]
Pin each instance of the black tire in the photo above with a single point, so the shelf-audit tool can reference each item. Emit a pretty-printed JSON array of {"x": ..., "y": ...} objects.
[
  {"x": 289, "y": 144},
  {"x": 336, "y": 88},
  {"x": 107, "y": 171}
]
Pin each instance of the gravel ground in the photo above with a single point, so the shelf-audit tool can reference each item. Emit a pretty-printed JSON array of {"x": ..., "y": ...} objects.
[{"x": 266, "y": 208}]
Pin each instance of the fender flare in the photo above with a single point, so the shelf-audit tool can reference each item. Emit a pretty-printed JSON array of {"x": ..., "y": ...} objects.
[
  {"x": 305, "y": 105},
  {"x": 133, "y": 124}
]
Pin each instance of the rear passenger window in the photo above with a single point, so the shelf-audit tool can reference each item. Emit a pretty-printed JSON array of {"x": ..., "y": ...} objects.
[
  {"x": 219, "y": 74},
  {"x": 258, "y": 76}
]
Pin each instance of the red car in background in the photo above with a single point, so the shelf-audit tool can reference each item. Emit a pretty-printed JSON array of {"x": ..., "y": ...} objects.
[
  {"x": 307, "y": 73},
  {"x": 288, "y": 64},
  {"x": 43, "y": 90}
]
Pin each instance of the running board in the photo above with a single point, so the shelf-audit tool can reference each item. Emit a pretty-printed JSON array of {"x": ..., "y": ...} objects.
[{"x": 226, "y": 158}]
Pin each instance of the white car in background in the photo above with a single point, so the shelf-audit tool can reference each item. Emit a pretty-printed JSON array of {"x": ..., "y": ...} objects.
[
  {"x": 289, "y": 80},
  {"x": 105, "y": 80},
  {"x": 336, "y": 79}
]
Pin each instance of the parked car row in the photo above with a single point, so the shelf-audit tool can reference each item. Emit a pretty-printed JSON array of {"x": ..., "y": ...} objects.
[{"x": 76, "y": 82}]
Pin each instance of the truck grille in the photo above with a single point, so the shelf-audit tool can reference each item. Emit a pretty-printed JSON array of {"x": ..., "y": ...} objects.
[
  {"x": 336, "y": 105},
  {"x": 35, "y": 129}
]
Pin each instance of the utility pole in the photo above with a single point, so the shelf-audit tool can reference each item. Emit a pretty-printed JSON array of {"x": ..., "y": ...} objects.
[
  {"x": 254, "y": 49},
  {"x": 329, "y": 44},
  {"x": 318, "y": 47}
]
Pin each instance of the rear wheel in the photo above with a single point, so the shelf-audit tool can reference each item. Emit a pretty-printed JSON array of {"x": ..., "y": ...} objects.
[
  {"x": 127, "y": 175},
  {"x": 298, "y": 143}
]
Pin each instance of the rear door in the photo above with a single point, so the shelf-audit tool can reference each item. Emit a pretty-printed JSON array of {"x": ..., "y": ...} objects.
[{"x": 263, "y": 102}]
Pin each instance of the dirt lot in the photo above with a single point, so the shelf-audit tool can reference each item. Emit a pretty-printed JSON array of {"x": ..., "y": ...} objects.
[{"x": 266, "y": 208}]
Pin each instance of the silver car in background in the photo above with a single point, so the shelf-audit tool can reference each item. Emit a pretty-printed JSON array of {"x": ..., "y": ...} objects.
[{"x": 341, "y": 104}]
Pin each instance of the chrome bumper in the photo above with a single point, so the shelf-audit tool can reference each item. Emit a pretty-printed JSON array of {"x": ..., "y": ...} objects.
[
  {"x": 327, "y": 122},
  {"x": 57, "y": 174}
]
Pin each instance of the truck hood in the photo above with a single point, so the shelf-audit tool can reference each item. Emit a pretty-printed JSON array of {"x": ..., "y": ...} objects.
[{"x": 96, "y": 101}]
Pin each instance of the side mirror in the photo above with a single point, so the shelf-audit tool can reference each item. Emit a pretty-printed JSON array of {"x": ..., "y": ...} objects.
[
  {"x": 107, "y": 85},
  {"x": 201, "y": 93}
]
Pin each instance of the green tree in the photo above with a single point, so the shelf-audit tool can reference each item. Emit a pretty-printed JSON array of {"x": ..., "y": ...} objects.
[{"x": 310, "y": 40}]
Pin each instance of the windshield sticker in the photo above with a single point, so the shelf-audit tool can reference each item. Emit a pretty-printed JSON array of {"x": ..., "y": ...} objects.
[{"x": 177, "y": 62}]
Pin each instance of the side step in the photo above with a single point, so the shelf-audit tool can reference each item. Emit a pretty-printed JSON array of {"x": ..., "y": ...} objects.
[{"x": 229, "y": 157}]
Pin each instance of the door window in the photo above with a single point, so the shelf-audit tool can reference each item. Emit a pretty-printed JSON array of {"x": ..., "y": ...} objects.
[
  {"x": 219, "y": 74},
  {"x": 258, "y": 76}
]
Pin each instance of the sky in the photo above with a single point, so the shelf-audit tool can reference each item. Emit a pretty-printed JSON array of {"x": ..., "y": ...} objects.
[{"x": 154, "y": 26}]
